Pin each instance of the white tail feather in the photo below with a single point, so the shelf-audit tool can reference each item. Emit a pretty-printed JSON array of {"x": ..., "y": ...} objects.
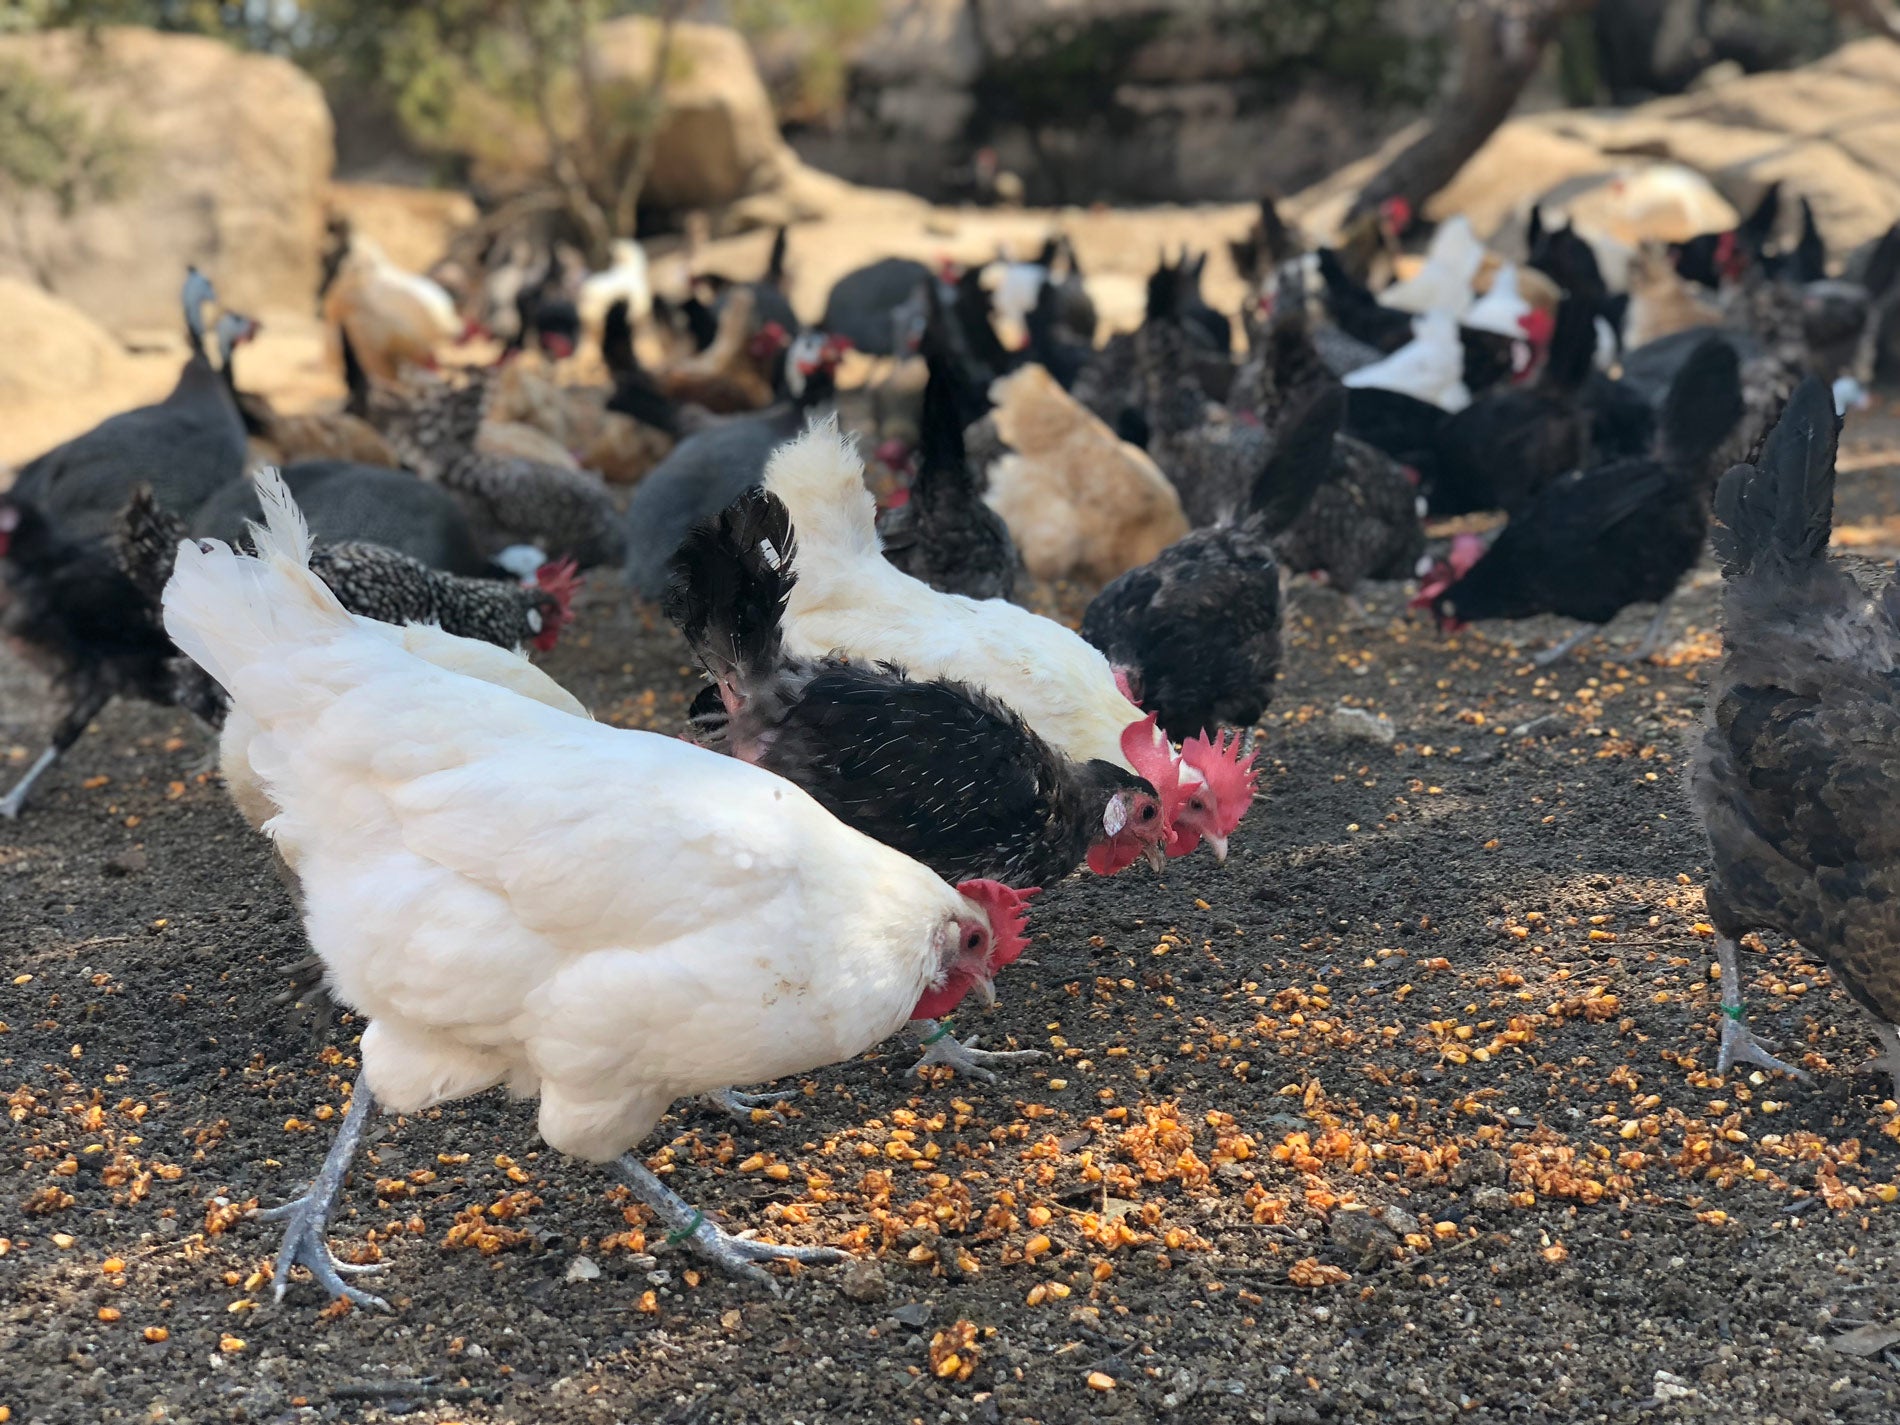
[
  {"x": 820, "y": 477},
  {"x": 228, "y": 611}
]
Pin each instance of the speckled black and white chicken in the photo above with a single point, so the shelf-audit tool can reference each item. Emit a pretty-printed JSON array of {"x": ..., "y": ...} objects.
[
  {"x": 1798, "y": 771},
  {"x": 567, "y": 514}
]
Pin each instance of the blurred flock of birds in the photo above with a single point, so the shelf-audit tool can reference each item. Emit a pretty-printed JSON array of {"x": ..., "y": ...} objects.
[{"x": 890, "y": 754}]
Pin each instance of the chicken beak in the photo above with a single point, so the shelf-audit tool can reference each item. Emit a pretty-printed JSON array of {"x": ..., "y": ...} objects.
[
  {"x": 985, "y": 989},
  {"x": 1219, "y": 844},
  {"x": 1156, "y": 858}
]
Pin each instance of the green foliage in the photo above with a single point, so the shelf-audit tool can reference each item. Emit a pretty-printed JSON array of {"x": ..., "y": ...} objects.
[
  {"x": 820, "y": 32},
  {"x": 49, "y": 145}
]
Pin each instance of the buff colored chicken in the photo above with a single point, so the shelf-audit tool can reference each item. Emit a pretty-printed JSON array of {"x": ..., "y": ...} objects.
[
  {"x": 1079, "y": 502},
  {"x": 733, "y": 374},
  {"x": 392, "y": 318}
]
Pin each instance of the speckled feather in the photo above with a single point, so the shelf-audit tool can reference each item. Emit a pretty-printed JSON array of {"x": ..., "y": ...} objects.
[{"x": 1798, "y": 770}]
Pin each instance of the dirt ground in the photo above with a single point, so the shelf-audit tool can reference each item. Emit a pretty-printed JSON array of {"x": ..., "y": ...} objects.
[{"x": 1406, "y": 1113}]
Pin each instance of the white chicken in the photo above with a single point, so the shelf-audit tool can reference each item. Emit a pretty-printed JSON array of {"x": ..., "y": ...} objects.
[
  {"x": 849, "y": 599},
  {"x": 1444, "y": 283},
  {"x": 477, "y": 891},
  {"x": 1430, "y": 366},
  {"x": 627, "y": 277},
  {"x": 1502, "y": 310}
]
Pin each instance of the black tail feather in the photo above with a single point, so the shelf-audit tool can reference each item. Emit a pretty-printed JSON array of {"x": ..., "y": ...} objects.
[
  {"x": 1302, "y": 455},
  {"x": 775, "y": 265},
  {"x": 940, "y": 451},
  {"x": 1703, "y": 405},
  {"x": 616, "y": 340},
  {"x": 1883, "y": 264},
  {"x": 1573, "y": 346},
  {"x": 1780, "y": 510},
  {"x": 355, "y": 378},
  {"x": 730, "y": 581}
]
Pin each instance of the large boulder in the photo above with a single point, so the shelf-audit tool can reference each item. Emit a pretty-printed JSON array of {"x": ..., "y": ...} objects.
[
  {"x": 229, "y": 157},
  {"x": 718, "y": 139}
]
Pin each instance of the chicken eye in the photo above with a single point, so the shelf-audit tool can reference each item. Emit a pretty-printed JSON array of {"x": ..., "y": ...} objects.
[
  {"x": 1198, "y": 804},
  {"x": 975, "y": 939},
  {"x": 1148, "y": 813}
]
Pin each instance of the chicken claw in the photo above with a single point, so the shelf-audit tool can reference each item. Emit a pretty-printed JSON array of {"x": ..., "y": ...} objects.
[
  {"x": 942, "y": 1047},
  {"x": 736, "y": 1255},
  {"x": 304, "y": 1242},
  {"x": 740, "y": 1107},
  {"x": 1888, "y": 1060},
  {"x": 1740, "y": 1046}
]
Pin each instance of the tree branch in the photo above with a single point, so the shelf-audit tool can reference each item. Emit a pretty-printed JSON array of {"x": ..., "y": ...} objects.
[
  {"x": 1500, "y": 44},
  {"x": 634, "y": 181},
  {"x": 1871, "y": 13}
]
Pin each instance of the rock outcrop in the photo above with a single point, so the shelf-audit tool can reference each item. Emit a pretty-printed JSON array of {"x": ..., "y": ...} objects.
[{"x": 227, "y": 157}]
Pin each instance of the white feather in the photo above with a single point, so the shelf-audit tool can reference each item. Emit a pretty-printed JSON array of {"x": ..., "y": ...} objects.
[
  {"x": 515, "y": 894},
  {"x": 1430, "y": 366}
]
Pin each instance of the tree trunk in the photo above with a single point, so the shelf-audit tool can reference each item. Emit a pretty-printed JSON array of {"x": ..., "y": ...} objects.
[
  {"x": 1500, "y": 43},
  {"x": 626, "y": 213}
]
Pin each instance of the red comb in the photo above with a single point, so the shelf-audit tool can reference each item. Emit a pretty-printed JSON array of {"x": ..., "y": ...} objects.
[
  {"x": 1229, "y": 776},
  {"x": 1008, "y": 912},
  {"x": 1538, "y": 326}
]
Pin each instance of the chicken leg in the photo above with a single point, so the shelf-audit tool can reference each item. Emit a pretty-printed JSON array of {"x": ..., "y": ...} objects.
[
  {"x": 1739, "y": 1044},
  {"x": 1652, "y": 640},
  {"x": 1564, "y": 646},
  {"x": 940, "y": 1046},
  {"x": 737, "y": 1255},
  {"x": 90, "y": 702},
  {"x": 741, "y": 1106},
  {"x": 1889, "y": 1057},
  {"x": 304, "y": 1241}
]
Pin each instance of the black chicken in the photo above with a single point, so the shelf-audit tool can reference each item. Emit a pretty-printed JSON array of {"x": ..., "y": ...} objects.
[
  {"x": 937, "y": 770},
  {"x": 1197, "y": 628},
  {"x": 1596, "y": 541},
  {"x": 67, "y": 606},
  {"x": 1356, "y": 312},
  {"x": 1798, "y": 769},
  {"x": 636, "y": 393},
  {"x": 944, "y": 533},
  {"x": 1499, "y": 451}
]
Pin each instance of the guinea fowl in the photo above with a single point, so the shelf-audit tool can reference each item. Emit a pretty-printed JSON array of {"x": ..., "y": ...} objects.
[
  {"x": 1798, "y": 768},
  {"x": 187, "y": 446},
  {"x": 317, "y": 435},
  {"x": 69, "y": 608},
  {"x": 936, "y": 769},
  {"x": 1504, "y": 447},
  {"x": 1197, "y": 629},
  {"x": 711, "y": 468},
  {"x": 347, "y": 502},
  {"x": 567, "y": 513},
  {"x": 1595, "y": 541},
  {"x": 944, "y": 533},
  {"x": 864, "y": 303}
]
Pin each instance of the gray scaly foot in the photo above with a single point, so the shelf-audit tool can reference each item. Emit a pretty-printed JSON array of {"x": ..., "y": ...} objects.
[
  {"x": 305, "y": 1243},
  {"x": 741, "y": 1106},
  {"x": 1739, "y": 1044},
  {"x": 738, "y": 1256},
  {"x": 941, "y": 1047}
]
